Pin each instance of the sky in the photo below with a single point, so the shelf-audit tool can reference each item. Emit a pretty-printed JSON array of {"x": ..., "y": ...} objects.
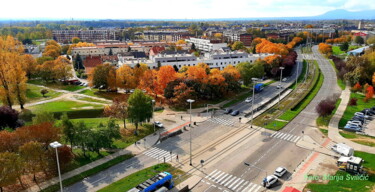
[{"x": 173, "y": 9}]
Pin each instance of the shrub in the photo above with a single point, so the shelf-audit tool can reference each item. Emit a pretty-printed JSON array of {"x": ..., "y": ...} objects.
[
  {"x": 353, "y": 101},
  {"x": 326, "y": 106}
]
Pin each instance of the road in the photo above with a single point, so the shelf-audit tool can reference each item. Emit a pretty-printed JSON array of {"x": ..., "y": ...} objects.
[
  {"x": 265, "y": 153},
  {"x": 223, "y": 144}
]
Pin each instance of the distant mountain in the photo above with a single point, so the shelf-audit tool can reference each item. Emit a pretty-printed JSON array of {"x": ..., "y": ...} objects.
[{"x": 344, "y": 14}]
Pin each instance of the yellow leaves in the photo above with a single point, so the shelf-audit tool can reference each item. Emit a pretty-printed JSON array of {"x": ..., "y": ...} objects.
[
  {"x": 126, "y": 78},
  {"x": 180, "y": 42},
  {"x": 215, "y": 77},
  {"x": 197, "y": 73},
  {"x": 273, "y": 59},
  {"x": 325, "y": 48},
  {"x": 232, "y": 71},
  {"x": 266, "y": 46},
  {"x": 79, "y": 44},
  {"x": 165, "y": 75}
]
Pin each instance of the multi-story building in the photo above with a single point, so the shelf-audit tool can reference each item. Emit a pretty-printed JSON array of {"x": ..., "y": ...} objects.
[
  {"x": 62, "y": 36},
  {"x": 242, "y": 36},
  {"x": 206, "y": 44},
  {"x": 167, "y": 36},
  {"x": 214, "y": 60}
]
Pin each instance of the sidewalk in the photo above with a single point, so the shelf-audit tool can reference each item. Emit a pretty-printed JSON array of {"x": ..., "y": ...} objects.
[
  {"x": 141, "y": 146},
  {"x": 333, "y": 130}
]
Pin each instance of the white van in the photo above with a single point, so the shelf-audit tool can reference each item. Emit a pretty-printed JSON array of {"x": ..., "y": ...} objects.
[{"x": 343, "y": 149}]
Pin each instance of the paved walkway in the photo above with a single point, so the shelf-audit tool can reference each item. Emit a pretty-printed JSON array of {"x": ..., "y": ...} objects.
[{"x": 333, "y": 130}]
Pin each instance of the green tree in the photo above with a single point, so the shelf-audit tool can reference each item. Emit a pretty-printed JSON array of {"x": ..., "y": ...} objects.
[
  {"x": 76, "y": 40},
  {"x": 237, "y": 45},
  {"x": 359, "y": 40},
  {"x": 78, "y": 63},
  {"x": 82, "y": 136},
  {"x": 139, "y": 108},
  {"x": 248, "y": 71},
  {"x": 43, "y": 117},
  {"x": 103, "y": 76},
  {"x": 110, "y": 52},
  {"x": 344, "y": 46},
  {"x": 68, "y": 130}
]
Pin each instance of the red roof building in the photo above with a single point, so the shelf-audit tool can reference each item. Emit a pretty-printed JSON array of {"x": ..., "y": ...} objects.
[
  {"x": 91, "y": 62},
  {"x": 156, "y": 50}
]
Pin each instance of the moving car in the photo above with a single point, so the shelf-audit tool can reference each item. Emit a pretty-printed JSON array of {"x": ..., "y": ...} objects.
[
  {"x": 284, "y": 79},
  {"x": 279, "y": 86},
  {"x": 248, "y": 100},
  {"x": 343, "y": 149},
  {"x": 158, "y": 124},
  {"x": 228, "y": 111},
  {"x": 280, "y": 171},
  {"x": 235, "y": 113},
  {"x": 269, "y": 181}
]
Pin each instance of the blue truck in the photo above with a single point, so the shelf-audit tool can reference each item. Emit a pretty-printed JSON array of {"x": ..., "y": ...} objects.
[
  {"x": 259, "y": 87},
  {"x": 158, "y": 183}
]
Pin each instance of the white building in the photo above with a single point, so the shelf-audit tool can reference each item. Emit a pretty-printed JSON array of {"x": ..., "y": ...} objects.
[
  {"x": 205, "y": 44},
  {"x": 215, "y": 60}
]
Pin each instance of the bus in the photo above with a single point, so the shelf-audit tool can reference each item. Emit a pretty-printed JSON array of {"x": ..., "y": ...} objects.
[{"x": 160, "y": 181}]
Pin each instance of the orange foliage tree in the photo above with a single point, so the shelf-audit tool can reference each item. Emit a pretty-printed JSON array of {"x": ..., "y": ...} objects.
[
  {"x": 369, "y": 93},
  {"x": 356, "y": 87},
  {"x": 325, "y": 48},
  {"x": 165, "y": 75}
]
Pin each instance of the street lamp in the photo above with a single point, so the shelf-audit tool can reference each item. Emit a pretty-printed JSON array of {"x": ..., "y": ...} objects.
[
  {"x": 281, "y": 76},
  {"x": 153, "y": 110},
  {"x": 190, "y": 101},
  {"x": 252, "y": 104},
  {"x": 56, "y": 145}
]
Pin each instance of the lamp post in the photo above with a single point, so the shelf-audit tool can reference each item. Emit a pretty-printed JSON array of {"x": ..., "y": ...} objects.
[
  {"x": 190, "y": 101},
  {"x": 252, "y": 101},
  {"x": 56, "y": 145},
  {"x": 153, "y": 110},
  {"x": 281, "y": 76}
]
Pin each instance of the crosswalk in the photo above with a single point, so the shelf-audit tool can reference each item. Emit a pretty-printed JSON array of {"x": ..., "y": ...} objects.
[
  {"x": 330, "y": 145},
  {"x": 285, "y": 136},
  {"x": 221, "y": 121},
  {"x": 160, "y": 154},
  {"x": 232, "y": 182}
]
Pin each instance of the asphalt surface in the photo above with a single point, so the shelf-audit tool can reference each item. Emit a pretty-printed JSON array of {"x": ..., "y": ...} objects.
[
  {"x": 255, "y": 147},
  {"x": 264, "y": 158}
]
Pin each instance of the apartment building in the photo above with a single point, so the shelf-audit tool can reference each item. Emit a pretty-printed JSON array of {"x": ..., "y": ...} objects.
[
  {"x": 232, "y": 36},
  {"x": 62, "y": 36},
  {"x": 214, "y": 60},
  {"x": 206, "y": 44},
  {"x": 167, "y": 36}
]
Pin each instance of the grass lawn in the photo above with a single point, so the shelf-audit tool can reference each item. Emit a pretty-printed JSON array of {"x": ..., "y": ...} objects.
[
  {"x": 276, "y": 125},
  {"x": 56, "y": 85},
  {"x": 361, "y": 139},
  {"x": 136, "y": 178},
  {"x": 349, "y": 186},
  {"x": 301, "y": 75},
  {"x": 81, "y": 160},
  {"x": 324, "y": 131},
  {"x": 350, "y": 110},
  {"x": 341, "y": 83},
  {"x": 128, "y": 136},
  {"x": 94, "y": 122},
  {"x": 337, "y": 51},
  {"x": 63, "y": 106},
  {"x": 33, "y": 93},
  {"x": 103, "y": 94},
  {"x": 97, "y": 169},
  {"x": 318, "y": 82},
  {"x": 89, "y": 99},
  {"x": 324, "y": 121}
]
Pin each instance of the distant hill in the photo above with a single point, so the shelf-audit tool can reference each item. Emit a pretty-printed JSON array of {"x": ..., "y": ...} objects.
[{"x": 344, "y": 14}]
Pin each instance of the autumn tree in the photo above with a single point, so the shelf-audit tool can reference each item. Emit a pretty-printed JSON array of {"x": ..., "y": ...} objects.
[
  {"x": 118, "y": 110},
  {"x": 197, "y": 73},
  {"x": 12, "y": 75},
  {"x": 125, "y": 78},
  {"x": 10, "y": 169},
  {"x": 356, "y": 87},
  {"x": 44, "y": 133},
  {"x": 29, "y": 65},
  {"x": 180, "y": 42},
  {"x": 181, "y": 93},
  {"x": 369, "y": 93},
  {"x": 79, "y": 44},
  {"x": 325, "y": 48},
  {"x": 373, "y": 79},
  {"x": 149, "y": 82},
  {"x": 33, "y": 155},
  {"x": 52, "y": 49},
  {"x": 325, "y": 107},
  {"x": 165, "y": 75},
  {"x": 218, "y": 35},
  {"x": 371, "y": 40},
  {"x": 103, "y": 75},
  {"x": 139, "y": 108},
  {"x": 62, "y": 68}
]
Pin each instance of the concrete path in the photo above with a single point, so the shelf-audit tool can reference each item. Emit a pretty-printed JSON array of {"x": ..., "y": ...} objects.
[{"x": 333, "y": 130}]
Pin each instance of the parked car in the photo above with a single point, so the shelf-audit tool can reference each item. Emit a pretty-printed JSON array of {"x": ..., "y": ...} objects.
[
  {"x": 248, "y": 100},
  {"x": 357, "y": 119},
  {"x": 356, "y": 122},
  {"x": 280, "y": 171},
  {"x": 158, "y": 124},
  {"x": 368, "y": 112},
  {"x": 269, "y": 181},
  {"x": 343, "y": 149},
  {"x": 228, "y": 111},
  {"x": 353, "y": 124},
  {"x": 235, "y": 113},
  {"x": 352, "y": 128}
]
